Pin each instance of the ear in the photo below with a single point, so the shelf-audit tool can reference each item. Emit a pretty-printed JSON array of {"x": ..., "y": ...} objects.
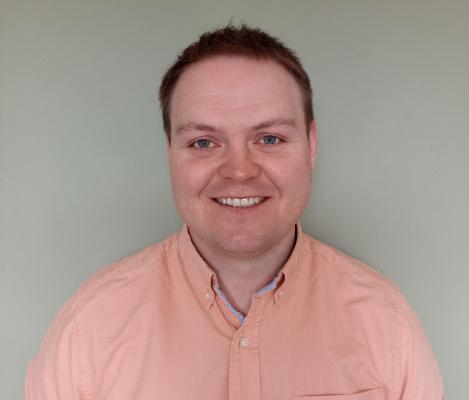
[{"x": 313, "y": 142}]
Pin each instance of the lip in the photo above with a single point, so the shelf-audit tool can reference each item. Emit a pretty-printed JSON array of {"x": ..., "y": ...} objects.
[{"x": 237, "y": 196}]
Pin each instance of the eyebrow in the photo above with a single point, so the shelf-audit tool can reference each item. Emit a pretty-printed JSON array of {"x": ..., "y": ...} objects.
[
  {"x": 273, "y": 123},
  {"x": 201, "y": 127},
  {"x": 194, "y": 126}
]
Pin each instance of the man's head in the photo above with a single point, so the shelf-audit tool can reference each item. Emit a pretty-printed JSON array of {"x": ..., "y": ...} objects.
[
  {"x": 241, "y": 148},
  {"x": 244, "y": 41}
]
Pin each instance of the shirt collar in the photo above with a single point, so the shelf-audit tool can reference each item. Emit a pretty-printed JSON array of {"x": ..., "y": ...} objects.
[
  {"x": 290, "y": 271},
  {"x": 203, "y": 278},
  {"x": 197, "y": 272}
]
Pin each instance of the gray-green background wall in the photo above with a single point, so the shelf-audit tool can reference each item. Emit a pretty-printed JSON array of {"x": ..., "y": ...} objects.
[{"x": 83, "y": 171}]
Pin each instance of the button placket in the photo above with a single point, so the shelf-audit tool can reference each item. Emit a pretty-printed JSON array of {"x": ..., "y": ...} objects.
[{"x": 245, "y": 366}]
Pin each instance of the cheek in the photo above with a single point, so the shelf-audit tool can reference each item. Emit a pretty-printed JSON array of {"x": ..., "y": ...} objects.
[
  {"x": 293, "y": 173},
  {"x": 295, "y": 187},
  {"x": 189, "y": 177}
]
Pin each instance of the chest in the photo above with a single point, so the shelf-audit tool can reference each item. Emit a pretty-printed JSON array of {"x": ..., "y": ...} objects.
[{"x": 279, "y": 352}]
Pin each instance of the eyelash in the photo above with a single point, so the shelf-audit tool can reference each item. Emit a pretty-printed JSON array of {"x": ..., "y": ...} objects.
[
  {"x": 210, "y": 142},
  {"x": 278, "y": 140},
  {"x": 193, "y": 144}
]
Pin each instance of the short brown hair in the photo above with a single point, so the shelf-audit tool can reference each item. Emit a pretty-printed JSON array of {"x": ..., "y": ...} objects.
[{"x": 241, "y": 41}]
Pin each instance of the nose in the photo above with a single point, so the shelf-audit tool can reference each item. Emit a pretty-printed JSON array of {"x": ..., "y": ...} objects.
[{"x": 239, "y": 165}]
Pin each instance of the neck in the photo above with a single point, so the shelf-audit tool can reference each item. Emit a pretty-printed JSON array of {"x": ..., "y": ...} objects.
[{"x": 241, "y": 276}]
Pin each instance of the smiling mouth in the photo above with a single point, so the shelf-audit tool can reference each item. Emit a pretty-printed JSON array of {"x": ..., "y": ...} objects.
[{"x": 243, "y": 202}]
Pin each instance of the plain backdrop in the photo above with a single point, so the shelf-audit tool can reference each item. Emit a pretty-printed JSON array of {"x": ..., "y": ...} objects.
[{"x": 83, "y": 169}]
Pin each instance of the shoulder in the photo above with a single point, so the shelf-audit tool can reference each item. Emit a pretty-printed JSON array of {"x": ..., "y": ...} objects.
[
  {"x": 368, "y": 304},
  {"x": 371, "y": 308},
  {"x": 99, "y": 309},
  {"x": 120, "y": 283},
  {"x": 351, "y": 275}
]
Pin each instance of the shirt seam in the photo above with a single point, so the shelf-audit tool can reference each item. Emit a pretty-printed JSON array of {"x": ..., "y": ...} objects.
[
  {"x": 116, "y": 270},
  {"x": 105, "y": 275},
  {"x": 396, "y": 373},
  {"x": 395, "y": 304},
  {"x": 86, "y": 387}
]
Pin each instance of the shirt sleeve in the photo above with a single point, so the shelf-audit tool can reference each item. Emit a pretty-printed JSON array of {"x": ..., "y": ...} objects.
[
  {"x": 420, "y": 377},
  {"x": 57, "y": 372}
]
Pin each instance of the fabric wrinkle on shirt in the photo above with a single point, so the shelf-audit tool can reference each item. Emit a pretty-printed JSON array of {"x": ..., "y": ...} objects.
[{"x": 157, "y": 326}]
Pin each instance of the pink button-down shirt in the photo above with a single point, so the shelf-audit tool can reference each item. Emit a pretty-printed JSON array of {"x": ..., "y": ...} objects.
[{"x": 152, "y": 327}]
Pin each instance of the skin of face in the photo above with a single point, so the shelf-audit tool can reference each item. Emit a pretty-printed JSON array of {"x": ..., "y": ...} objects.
[{"x": 238, "y": 131}]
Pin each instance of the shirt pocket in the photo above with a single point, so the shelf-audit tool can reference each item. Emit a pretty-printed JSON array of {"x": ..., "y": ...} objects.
[{"x": 372, "y": 394}]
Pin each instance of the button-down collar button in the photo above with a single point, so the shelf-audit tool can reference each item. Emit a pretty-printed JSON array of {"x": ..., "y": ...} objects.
[
  {"x": 208, "y": 295},
  {"x": 244, "y": 342},
  {"x": 278, "y": 296}
]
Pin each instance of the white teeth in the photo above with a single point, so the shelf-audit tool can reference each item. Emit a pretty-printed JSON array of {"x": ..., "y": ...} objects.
[{"x": 240, "y": 202}]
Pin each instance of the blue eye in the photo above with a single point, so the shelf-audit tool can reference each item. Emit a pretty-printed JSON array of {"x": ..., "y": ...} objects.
[
  {"x": 202, "y": 144},
  {"x": 270, "y": 139}
]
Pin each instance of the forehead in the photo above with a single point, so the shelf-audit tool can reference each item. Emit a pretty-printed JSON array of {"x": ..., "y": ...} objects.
[{"x": 235, "y": 89}]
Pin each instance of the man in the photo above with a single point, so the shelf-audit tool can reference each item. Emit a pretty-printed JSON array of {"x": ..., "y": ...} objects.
[{"x": 240, "y": 304}]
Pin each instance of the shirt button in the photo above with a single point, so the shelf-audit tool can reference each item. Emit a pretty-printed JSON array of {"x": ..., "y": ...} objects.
[{"x": 244, "y": 342}]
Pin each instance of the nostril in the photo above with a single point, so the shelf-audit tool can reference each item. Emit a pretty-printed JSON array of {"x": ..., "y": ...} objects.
[{"x": 240, "y": 169}]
